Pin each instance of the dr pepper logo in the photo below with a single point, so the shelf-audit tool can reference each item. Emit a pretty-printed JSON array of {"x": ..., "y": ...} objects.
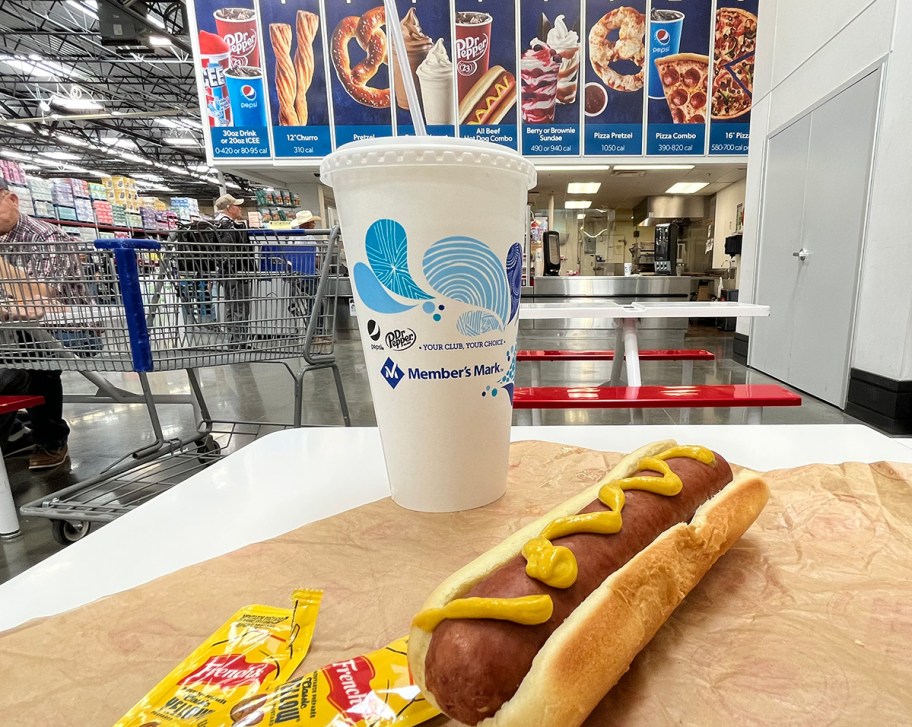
[
  {"x": 228, "y": 671},
  {"x": 349, "y": 683}
]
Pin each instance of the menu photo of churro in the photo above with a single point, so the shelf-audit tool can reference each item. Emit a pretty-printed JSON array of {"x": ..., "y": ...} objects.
[
  {"x": 549, "y": 71},
  {"x": 295, "y": 71}
]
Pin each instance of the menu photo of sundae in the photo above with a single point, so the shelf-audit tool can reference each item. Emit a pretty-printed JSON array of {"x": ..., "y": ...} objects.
[{"x": 549, "y": 72}]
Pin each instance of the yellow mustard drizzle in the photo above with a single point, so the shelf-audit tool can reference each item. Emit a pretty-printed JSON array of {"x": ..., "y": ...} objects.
[
  {"x": 526, "y": 610},
  {"x": 556, "y": 566}
]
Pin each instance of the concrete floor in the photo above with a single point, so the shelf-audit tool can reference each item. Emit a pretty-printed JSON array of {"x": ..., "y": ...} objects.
[{"x": 102, "y": 433}]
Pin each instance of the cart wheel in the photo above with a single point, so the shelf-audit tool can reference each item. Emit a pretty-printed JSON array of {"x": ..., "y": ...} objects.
[
  {"x": 69, "y": 531},
  {"x": 207, "y": 448}
]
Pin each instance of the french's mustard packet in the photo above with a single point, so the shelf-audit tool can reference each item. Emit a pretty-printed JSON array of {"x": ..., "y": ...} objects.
[
  {"x": 255, "y": 651},
  {"x": 375, "y": 690}
]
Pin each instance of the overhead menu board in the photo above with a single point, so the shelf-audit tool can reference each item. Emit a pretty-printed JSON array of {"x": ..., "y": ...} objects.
[
  {"x": 552, "y": 78},
  {"x": 427, "y": 31},
  {"x": 677, "y": 82},
  {"x": 230, "y": 74},
  {"x": 296, "y": 78},
  {"x": 615, "y": 77},
  {"x": 360, "y": 79},
  {"x": 549, "y": 66},
  {"x": 486, "y": 85},
  {"x": 733, "y": 76}
]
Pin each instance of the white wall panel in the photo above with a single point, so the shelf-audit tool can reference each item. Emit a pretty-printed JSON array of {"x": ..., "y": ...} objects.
[
  {"x": 883, "y": 336},
  {"x": 805, "y": 27}
]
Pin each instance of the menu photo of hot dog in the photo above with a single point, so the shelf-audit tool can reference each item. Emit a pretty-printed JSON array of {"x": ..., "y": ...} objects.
[
  {"x": 485, "y": 57},
  {"x": 537, "y": 630},
  {"x": 549, "y": 76}
]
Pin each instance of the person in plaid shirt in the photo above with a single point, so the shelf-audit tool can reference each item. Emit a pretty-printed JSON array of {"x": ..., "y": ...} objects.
[{"x": 49, "y": 430}]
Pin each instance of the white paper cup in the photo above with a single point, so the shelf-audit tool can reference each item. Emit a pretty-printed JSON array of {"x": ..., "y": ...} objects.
[{"x": 433, "y": 230}]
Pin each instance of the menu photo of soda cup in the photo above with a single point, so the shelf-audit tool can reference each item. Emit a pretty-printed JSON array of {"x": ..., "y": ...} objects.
[{"x": 232, "y": 71}]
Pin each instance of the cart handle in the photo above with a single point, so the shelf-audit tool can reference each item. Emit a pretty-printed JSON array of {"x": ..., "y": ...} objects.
[{"x": 114, "y": 243}]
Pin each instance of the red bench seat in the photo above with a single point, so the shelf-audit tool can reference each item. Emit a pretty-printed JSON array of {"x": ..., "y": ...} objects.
[{"x": 657, "y": 397}]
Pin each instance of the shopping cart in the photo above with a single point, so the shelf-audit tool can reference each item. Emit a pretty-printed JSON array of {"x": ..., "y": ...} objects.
[{"x": 203, "y": 298}]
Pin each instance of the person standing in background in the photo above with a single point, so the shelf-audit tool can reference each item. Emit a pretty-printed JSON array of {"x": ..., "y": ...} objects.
[
  {"x": 236, "y": 265},
  {"x": 36, "y": 262}
]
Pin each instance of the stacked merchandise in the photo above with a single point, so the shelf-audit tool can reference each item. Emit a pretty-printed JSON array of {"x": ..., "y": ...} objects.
[
  {"x": 98, "y": 191},
  {"x": 64, "y": 201},
  {"x": 14, "y": 175},
  {"x": 122, "y": 191},
  {"x": 275, "y": 205},
  {"x": 147, "y": 218},
  {"x": 42, "y": 197},
  {"x": 187, "y": 209},
  {"x": 12, "y": 172},
  {"x": 119, "y": 215},
  {"x": 104, "y": 214},
  {"x": 81, "y": 200}
]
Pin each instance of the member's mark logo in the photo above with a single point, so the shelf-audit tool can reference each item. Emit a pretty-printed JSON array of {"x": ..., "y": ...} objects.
[{"x": 392, "y": 373}]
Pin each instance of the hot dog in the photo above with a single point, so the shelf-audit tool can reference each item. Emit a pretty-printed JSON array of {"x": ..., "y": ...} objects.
[
  {"x": 489, "y": 100},
  {"x": 637, "y": 554}
]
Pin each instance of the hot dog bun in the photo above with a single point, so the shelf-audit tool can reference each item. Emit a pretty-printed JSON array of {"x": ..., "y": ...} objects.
[
  {"x": 489, "y": 100},
  {"x": 590, "y": 651}
]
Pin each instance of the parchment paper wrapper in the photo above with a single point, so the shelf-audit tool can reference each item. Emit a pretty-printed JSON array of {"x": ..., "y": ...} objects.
[{"x": 806, "y": 621}]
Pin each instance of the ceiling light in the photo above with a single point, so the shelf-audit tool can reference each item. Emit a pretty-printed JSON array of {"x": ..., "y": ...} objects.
[
  {"x": 22, "y": 127},
  {"x": 85, "y": 7},
  {"x": 578, "y": 204},
  {"x": 72, "y": 140},
  {"x": 159, "y": 41},
  {"x": 76, "y": 104},
  {"x": 651, "y": 167},
  {"x": 583, "y": 187},
  {"x": 10, "y": 154},
  {"x": 574, "y": 168},
  {"x": 581, "y": 216},
  {"x": 133, "y": 157},
  {"x": 685, "y": 187},
  {"x": 232, "y": 185},
  {"x": 149, "y": 177},
  {"x": 181, "y": 141},
  {"x": 60, "y": 155}
]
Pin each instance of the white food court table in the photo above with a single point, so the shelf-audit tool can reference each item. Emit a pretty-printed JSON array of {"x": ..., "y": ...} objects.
[
  {"x": 297, "y": 476},
  {"x": 627, "y": 319}
]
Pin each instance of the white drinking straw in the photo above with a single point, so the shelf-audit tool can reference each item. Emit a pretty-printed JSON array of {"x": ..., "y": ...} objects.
[{"x": 394, "y": 31}]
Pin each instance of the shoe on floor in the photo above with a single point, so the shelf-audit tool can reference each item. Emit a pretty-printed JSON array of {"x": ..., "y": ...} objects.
[
  {"x": 44, "y": 459},
  {"x": 23, "y": 445}
]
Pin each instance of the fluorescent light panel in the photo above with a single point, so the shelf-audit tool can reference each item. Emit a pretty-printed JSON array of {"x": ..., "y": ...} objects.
[
  {"x": 181, "y": 141},
  {"x": 574, "y": 168},
  {"x": 159, "y": 41},
  {"x": 76, "y": 104},
  {"x": 685, "y": 187},
  {"x": 583, "y": 187},
  {"x": 578, "y": 204},
  {"x": 652, "y": 167},
  {"x": 581, "y": 216}
]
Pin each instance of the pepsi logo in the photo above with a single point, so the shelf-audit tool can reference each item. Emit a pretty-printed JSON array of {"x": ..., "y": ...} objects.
[
  {"x": 373, "y": 330},
  {"x": 663, "y": 36},
  {"x": 248, "y": 92}
]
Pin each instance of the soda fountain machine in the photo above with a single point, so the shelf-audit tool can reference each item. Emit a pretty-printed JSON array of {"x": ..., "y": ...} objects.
[{"x": 666, "y": 248}]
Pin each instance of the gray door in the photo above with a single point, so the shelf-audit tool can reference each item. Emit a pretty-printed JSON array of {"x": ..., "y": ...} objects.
[{"x": 811, "y": 235}]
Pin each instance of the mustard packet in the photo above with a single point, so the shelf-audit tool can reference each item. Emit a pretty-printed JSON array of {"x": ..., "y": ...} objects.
[
  {"x": 375, "y": 690},
  {"x": 256, "y": 650}
]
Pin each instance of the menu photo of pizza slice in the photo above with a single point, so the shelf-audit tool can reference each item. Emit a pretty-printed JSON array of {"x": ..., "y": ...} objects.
[{"x": 685, "y": 82}]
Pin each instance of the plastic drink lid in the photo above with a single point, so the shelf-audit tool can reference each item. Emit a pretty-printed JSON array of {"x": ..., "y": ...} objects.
[{"x": 424, "y": 150}]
